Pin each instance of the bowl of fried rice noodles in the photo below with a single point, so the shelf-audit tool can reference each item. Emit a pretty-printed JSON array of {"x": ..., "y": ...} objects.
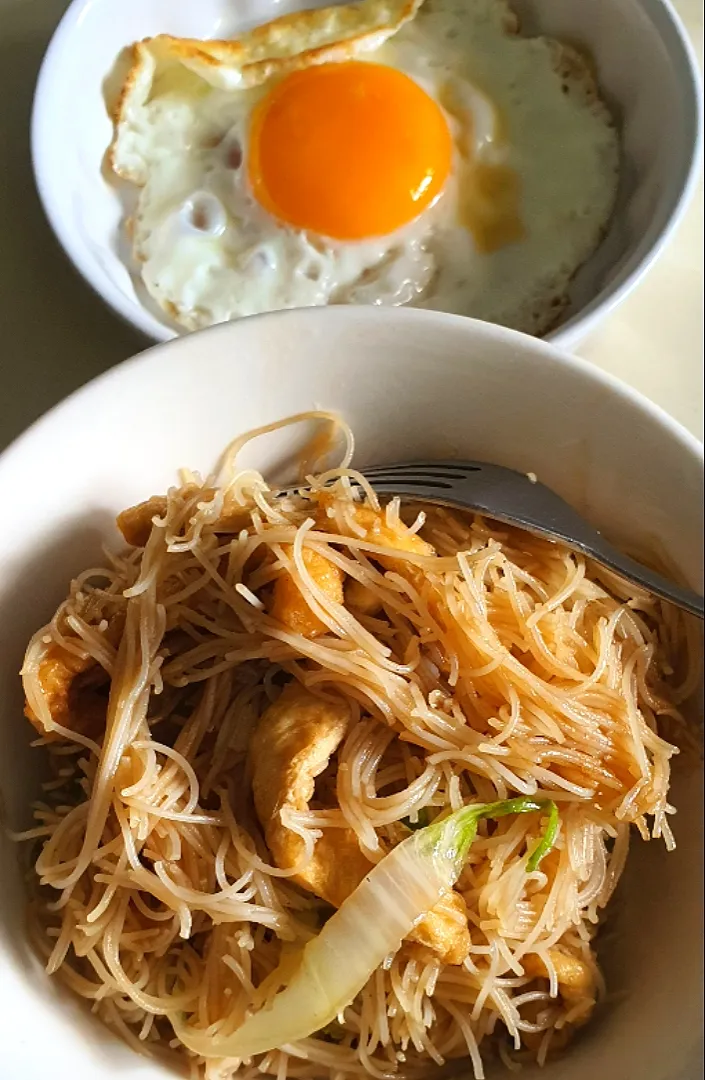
[{"x": 304, "y": 781}]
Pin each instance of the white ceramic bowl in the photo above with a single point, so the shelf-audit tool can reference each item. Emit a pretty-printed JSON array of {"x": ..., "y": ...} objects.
[
  {"x": 412, "y": 383},
  {"x": 644, "y": 62}
]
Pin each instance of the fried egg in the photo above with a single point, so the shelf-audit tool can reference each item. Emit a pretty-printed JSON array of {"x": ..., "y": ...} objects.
[{"x": 385, "y": 152}]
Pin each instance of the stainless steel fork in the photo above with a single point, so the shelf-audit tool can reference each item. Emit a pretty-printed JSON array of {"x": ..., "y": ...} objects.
[{"x": 517, "y": 499}]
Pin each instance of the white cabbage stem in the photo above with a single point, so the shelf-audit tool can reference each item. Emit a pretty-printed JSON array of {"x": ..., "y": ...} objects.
[{"x": 368, "y": 926}]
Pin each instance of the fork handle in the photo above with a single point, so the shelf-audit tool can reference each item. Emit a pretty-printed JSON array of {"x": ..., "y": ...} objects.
[
  {"x": 683, "y": 597},
  {"x": 598, "y": 549}
]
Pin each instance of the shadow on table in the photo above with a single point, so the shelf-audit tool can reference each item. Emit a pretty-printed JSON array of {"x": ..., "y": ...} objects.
[{"x": 54, "y": 333}]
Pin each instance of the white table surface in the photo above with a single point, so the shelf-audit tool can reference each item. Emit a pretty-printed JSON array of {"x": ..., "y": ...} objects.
[{"x": 55, "y": 334}]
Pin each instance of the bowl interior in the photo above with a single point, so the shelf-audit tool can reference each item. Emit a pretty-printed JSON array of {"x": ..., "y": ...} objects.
[
  {"x": 643, "y": 66},
  {"x": 411, "y": 384}
]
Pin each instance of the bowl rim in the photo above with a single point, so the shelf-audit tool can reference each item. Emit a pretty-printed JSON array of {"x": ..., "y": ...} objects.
[
  {"x": 160, "y": 354},
  {"x": 681, "y": 52}
]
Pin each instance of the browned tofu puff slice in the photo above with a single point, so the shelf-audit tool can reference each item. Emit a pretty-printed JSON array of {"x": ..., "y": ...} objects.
[
  {"x": 576, "y": 983},
  {"x": 376, "y": 530},
  {"x": 360, "y": 599},
  {"x": 57, "y": 673},
  {"x": 292, "y": 745},
  {"x": 135, "y": 523},
  {"x": 444, "y": 930},
  {"x": 289, "y": 605}
]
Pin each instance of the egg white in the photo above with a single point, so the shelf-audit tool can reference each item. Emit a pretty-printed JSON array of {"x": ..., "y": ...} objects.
[{"x": 557, "y": 136}]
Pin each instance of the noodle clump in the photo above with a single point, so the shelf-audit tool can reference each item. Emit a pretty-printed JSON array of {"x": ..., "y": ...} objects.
[{"x": 269, "y": 691}]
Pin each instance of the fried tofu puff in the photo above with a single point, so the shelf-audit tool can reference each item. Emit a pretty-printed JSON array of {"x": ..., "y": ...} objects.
[
  {"x": 576, "y": 982},
  {"x": 292, "y": 745},
  {"x": 56, "y": 674},
  {"x": 289, "y": 605}
]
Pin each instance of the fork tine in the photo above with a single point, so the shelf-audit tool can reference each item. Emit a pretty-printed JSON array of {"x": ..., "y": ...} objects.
[
  {"x": 448, "y": 470},
  {"x": 414, "y": 474},
  {"x": 398, "y": 482},
  {"x": 414, "y": 489}
]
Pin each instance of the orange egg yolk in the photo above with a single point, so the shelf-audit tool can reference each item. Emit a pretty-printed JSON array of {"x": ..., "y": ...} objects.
[{"x": 348, "y": 150}]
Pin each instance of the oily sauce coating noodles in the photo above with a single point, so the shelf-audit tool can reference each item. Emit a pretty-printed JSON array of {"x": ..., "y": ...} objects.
[{"x": 435, "y": 659}]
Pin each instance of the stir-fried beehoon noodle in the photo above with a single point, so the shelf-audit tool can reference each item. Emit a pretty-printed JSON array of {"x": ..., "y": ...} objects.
[{"x": 341, "y": 788}]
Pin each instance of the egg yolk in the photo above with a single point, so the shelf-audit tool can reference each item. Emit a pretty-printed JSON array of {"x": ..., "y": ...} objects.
[{"x": 348, "y": 150}]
